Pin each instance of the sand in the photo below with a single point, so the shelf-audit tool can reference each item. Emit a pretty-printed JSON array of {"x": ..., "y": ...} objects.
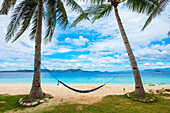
[{"x": 64, "y": 94}]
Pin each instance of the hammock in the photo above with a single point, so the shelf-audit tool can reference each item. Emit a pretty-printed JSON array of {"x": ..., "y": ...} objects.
[
  {"x": 73, "y": 89},
  {"x": 81, "y": 91}
]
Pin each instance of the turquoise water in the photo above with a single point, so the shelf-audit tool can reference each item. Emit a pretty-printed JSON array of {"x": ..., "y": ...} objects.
[{"x": 85, "y": 78}]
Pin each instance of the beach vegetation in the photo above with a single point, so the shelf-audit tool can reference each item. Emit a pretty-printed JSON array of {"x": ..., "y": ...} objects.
[
  {"x": 33, "y": 11},
  {"x": 149, "y": 97},
  {"x": 168, "y": 90},
  {"x": 26, "y": 101},
  {"x": 10, "y": 102},
  {"x": 109, "y": 104}
]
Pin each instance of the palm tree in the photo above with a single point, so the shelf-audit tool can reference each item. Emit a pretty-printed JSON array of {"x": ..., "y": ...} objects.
[
  {"x": 99, "y": 10},
  {"x": 32, "y": 11}
]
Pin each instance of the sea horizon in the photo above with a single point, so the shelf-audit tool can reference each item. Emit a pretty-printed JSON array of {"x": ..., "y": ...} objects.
[
  {"x": 81, "y": 70},
  {"x": 85, "y": 78}
]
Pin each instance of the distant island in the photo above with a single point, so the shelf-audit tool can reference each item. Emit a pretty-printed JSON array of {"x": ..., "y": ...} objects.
[
  {"x": 80, "y": 70},
  {"x": 44, "y": 70},
  {"x": 158, "y": 71}
]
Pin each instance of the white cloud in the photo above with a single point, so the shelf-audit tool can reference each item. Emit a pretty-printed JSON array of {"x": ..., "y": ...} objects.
[
  {"x": 160, "y": 64},
  {"x": 78, "y": 65},
  {"x": 73, "y": 60},
  {"x": 102, "y": 65},
  {"x": 147, "y": 64},
  {"x": 153, "y": 53},
  {"x": 77, "y": 42},
  {"x": 63, "y": 50},
  {"x": 113, "y": 45},
  {"x": 90, "y": 59},
  {"x": 82, "y": 56},
  {"x": 104, "y": 53},
  {"x": 106, "y": 60}
]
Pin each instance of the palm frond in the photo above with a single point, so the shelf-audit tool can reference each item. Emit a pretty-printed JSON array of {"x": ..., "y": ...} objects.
[
  {"x": 55, "y": 14},
  {"x": 22, "y": 14},
  {"x": 50, "y": 19},
  {"x": 6, "y": 5},
  {"x": 74, "y": 6},
  {"x": 95, "y": 11},
  {"x": 32, "y": 35},
  {"x": 160, "y": 6},
  {"x": 95, "y": 1},
  {"x": 140, "y": 6},
  {"x": 15, "y": 21},
  {"x": 27, "y": 16},
  {"x": 91, "y": 11},
  {"x": 83, "y": 16},
  {"x": 61, "y": 16},
  {"x": 102, "y": 11}
]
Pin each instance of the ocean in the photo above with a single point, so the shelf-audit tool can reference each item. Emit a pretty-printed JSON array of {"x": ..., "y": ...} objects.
[{"x": 85, "y": 78}]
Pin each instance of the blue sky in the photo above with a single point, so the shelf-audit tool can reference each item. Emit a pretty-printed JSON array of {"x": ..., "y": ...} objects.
[{"x": 97, "y": 46}]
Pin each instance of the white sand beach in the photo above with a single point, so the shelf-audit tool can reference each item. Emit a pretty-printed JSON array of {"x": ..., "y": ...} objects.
[{"x": 64, "y": 94}]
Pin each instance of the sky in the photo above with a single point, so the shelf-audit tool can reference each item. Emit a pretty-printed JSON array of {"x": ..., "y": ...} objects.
[{"x": 96, "y": 46}]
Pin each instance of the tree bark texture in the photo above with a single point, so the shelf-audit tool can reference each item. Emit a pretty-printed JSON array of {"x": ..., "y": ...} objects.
[
  {"x": 36, "y": 91},
  {"x": 139, "y": 90}
]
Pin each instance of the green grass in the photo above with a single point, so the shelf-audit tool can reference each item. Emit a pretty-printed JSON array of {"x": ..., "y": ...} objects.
[
  {"x": 115, "y": 104},
  {"x": 9, "y": 102},
  {"x": 109, "y": 104}
]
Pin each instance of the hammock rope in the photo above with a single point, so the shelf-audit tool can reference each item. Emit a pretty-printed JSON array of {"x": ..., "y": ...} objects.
[
  {"x": 39, "y": 62},
  {"x": 82, "y": 91},
  {"x": 76, "y": 90}
]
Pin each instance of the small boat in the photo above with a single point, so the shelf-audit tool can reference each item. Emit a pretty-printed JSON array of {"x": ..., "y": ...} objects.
[{"x": 151, "y": 84}]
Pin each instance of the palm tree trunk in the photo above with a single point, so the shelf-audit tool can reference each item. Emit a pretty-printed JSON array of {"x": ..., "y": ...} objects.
[
  {"x": 139, "y": 90},
  {"x": 36, "y": 91}
]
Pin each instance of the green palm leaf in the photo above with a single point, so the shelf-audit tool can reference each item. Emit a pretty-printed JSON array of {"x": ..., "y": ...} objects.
[
  {"x": 50, "y": 19},
  {"x": 97, "y": 11},
  {"x": 160, "y": 6},
  {"x": 83, "y": 16},
  {"x": 74, "y": 6},
  {"x": 95, "y": 1},
  {"x": 21, "y": 16},
  {"x": 102, "y": 11},
  {"x": 150, "y": 7},
  {"x": 62, "y": 19},
  {"x": 140, "y": 6},
  {"x": 6, "y": 5},
  {"x": 32, "y": 35},
  {"x": 27, "y": 16},
  {"x": 15, "y": 21}
]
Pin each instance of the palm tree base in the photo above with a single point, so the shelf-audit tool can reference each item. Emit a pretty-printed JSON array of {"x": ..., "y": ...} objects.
[
  {"x": 36, "y": 92},
  {"x": 139, "y": 92}
]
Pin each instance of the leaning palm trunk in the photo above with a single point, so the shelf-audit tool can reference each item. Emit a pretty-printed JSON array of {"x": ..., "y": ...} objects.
[
  {"x": 139, "y": 90},
  {"x": 36, "y": 91}
]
